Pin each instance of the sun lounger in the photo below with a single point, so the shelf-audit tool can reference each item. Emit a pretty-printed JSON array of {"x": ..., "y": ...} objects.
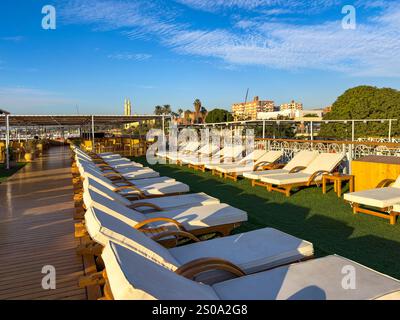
[
  {"x": 378, "y": 202},
  {"x": 299, "y": 162},
  {"x": 253, "y": 251},
  {"x": 130, "y": 276},
  {"x": 209, "y": 220},
  {"x": 206, "y": 151},
  {"x": 96, "y": 193},
  {"x": 225, "y": 155},
  {"x": 258, "y": 160},
  {"x": 188, "y": 150},
  {"x": 134, "y": 188},
  {"x": 312, "y": 175},
  {"x": 131, "y": 173}
]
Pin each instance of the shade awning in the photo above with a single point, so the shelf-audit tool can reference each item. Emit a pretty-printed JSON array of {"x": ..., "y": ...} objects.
[{"x": 74, "y": 120}]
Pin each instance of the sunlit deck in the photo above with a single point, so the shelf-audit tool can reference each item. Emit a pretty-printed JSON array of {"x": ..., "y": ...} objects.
[{"x": 37, "y": 229}]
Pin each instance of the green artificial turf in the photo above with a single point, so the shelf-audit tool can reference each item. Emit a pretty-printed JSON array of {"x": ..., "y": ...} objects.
[
  {"x": 4, "y": 174},
  {"x": 324, "y": 220}
]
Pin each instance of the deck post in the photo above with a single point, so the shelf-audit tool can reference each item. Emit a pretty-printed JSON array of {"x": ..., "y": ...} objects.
[
  {"x": 312, "y": 130},
  {"x": 390, "y": 130},
  {"x": 163, "y": 126},
  {"x": 263, "y": 129},
  {"x": 93, "y": 148},
  {"x": 7, "y": 142}
]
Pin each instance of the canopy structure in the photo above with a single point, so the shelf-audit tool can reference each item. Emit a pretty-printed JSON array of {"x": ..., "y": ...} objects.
[
  {"x": 10, "y": 120},
  {"x": 73, "y": 120}
]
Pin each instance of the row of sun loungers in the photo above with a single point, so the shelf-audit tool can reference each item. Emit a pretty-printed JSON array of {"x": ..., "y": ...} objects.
[
  {"x": 152, "y": 240},
  {"x": 260, "y": 166}
]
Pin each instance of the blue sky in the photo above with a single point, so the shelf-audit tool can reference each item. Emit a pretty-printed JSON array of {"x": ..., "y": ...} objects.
[{"x": 172, "y": 52}]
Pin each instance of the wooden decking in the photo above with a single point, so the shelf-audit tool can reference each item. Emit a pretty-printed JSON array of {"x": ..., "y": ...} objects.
[{"x": 37, "y": 229}]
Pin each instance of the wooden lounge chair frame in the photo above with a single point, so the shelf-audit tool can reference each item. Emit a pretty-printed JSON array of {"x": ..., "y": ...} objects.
[
  {"x": 263, "y": 166},
  {"x": 255, "y": 182},
  {"x": 286, "y": 189},
  {"x": 385, "y": 213}
]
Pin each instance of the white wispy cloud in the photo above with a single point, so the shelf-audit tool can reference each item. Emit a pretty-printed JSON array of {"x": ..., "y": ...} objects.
[
  {"x": 13, "y": 38},
  {"x": 130, "y": 56},
  {"x": 278, "y": 6},
  {"x": 371, "y": 49}
]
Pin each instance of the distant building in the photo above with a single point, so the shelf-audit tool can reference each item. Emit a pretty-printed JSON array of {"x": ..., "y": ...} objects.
[
  {"x": 250, "y": 110},
  {"x": 294, "y": 106}
]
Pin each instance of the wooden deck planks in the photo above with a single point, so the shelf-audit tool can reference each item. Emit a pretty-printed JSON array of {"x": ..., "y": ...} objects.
[{"x": 37, "y": 229}]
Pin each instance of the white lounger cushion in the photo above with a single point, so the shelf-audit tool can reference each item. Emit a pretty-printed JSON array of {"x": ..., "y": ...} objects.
[
  {"x": 282, "y": 179},
  {"x": 396, "y": 208},
  {"x": 256, "y": 175},
  {"x": 153, "y": 189},
  {"x": 141, "y": 174},
  {"x": 302, "y": 159},
  {"x": 191, "y": 218},
  {"x": 319, "y": 279},
  {"x": 132, "y": 276},
  {"x": 253, "y": 251},
  {"x": 166, "y": 203},
  {"x": 378, "y": 198},
  {"x": 325, "y": 161}
]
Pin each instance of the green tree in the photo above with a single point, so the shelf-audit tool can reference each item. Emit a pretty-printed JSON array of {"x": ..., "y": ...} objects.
[
  {"x": 218, "y": 115},
  {"x": 158, "y": 110},
  {"x": 166, "y": 109},
  {"x": 197, "y": 105},
  {"x": 363, "y": 102}
]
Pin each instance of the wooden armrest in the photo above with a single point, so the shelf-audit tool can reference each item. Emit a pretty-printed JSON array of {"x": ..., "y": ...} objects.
[
  {"x": 112, "y": 174},
  {"x": 130, "y": 187},
  {"x": 145, "y": 204},
  {"x": 278, "y": 165},
  {"x": 103, "y": 165},
  {"x": 142, "y": 224},
  {"x": 259, "y": 165},
  {"x": 194, "y": 268},
  {"x": 315, "y": 175},
  {"x": 297, "y": 169},
  {"x": 385, "y": 183},
  {"x": 177, "y": 234}
]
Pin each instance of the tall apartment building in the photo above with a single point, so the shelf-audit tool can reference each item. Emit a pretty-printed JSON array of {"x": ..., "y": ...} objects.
[
  {"x": 249, "y": 110},
  {"x": 294, "y": 106}
]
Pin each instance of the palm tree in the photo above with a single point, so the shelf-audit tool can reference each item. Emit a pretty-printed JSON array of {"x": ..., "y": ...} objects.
[
  {"x": 158, "y": 110},
  {"x": 197, "y": 106},
  {"x": 180, "y": 111},
  {"x": 167, "y": 109}
]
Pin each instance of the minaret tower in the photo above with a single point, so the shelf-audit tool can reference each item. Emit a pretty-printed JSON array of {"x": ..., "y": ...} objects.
[
  {"x": 127, "y": 111},
  {"x": 127, "y": 107}
]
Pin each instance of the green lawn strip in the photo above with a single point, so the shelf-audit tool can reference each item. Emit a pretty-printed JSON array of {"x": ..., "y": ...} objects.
[
  {"x": 5, "y": 174},
  {"x": 324, "y": 220}
]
